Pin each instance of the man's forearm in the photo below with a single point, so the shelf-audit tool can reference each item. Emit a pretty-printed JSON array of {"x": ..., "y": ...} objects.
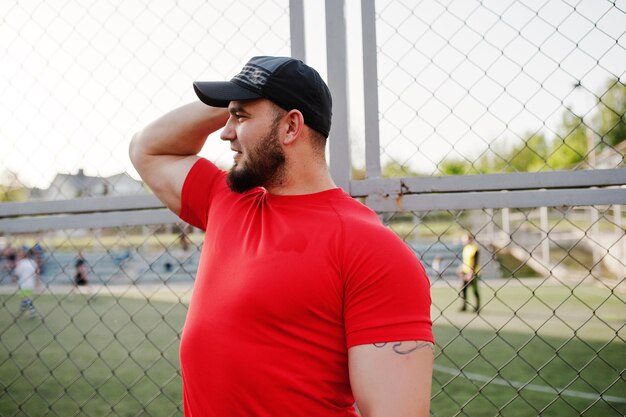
[{"x": 181, "y": 132}]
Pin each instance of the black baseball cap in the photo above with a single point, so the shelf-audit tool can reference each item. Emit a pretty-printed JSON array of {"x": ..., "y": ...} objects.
[{"x": 287, "y": 82}]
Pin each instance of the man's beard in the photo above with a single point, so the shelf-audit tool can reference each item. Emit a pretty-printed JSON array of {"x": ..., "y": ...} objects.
[{"x": 264, "y": 165}]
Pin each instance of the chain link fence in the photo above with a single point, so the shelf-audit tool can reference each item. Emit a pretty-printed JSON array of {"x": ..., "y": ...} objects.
[{"x": 472, "y": 98}]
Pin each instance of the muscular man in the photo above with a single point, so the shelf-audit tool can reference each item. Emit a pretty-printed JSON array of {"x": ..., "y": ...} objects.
[{"x": 304, "y": 302}]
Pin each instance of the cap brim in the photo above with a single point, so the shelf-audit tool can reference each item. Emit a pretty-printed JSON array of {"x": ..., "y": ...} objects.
[{"x": 220, "y": 93}]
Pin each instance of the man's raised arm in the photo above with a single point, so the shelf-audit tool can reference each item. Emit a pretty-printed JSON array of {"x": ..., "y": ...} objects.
[{"x": 164, "y": 151}]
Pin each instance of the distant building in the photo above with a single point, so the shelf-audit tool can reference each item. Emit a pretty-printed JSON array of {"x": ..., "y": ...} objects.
[{"x": 67, "y": 186}]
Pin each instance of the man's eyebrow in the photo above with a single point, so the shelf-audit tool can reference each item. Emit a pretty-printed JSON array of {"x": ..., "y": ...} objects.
[{"x": 237, "y": 109}]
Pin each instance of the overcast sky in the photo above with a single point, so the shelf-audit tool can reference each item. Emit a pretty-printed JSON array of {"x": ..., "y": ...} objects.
[{"x": 78, "y": 77}]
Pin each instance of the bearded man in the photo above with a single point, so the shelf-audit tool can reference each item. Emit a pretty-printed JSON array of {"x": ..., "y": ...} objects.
[{"x": 304, "y": 303}]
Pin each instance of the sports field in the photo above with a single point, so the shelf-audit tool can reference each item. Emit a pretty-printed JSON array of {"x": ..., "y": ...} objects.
[
  {"x": 536, "y": 348},
  {"x": 547, "y": 350}
]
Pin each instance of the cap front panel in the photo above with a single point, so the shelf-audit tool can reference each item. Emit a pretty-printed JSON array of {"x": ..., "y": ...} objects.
[{"x": 252, "y": 77}]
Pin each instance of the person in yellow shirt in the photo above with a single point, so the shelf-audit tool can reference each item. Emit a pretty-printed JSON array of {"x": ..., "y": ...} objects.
[{"x": 469, "y": 270}]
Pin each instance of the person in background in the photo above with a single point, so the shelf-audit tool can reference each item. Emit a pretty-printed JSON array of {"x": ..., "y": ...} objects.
[
  {"x": 10, "y": 257},
  {"x": 468, "y": 271},
  {"x": 39, "y": 256},
  {"x": 80, "y": 274},
  {"x": 437, "y": 267},
  {"x": 26, "y": 274}
]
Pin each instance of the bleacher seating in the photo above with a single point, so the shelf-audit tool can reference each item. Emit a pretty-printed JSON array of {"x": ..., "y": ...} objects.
[{"x": 123, "y": 266}]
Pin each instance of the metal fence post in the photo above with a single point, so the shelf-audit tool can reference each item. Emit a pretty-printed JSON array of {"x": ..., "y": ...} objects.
[
  {"x": 296, "y": 29},
  {"x": 370, "y": 89},
  {"x": 337, "y": 81}
]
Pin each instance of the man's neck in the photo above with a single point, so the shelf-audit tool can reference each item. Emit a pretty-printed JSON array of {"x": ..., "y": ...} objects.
[{"x": 303, "y": 182}]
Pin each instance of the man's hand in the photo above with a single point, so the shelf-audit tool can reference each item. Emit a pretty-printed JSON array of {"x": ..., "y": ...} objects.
[{"x": 392, "y": 379}]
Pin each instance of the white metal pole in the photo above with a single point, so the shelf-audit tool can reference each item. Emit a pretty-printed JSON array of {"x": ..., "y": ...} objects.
[
  {"x": 370, "y": 89},
  {"x": 296, "y": 29},
  {"x": 545, "y": 243},
  {"x": 339, "y": 140}
]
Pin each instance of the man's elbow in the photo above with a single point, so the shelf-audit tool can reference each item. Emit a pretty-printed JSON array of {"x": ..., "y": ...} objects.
[{"x": 136, "y": 151}]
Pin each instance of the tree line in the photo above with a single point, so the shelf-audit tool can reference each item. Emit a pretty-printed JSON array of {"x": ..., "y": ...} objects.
[{"x": 576, "y": 141}]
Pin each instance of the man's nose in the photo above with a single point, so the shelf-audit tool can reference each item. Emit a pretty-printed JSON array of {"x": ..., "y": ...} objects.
[{"x": 228, "y": 132}]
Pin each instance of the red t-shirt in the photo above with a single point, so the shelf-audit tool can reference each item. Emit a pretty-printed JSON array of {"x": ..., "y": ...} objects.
[{"x": 285, "y": 286}]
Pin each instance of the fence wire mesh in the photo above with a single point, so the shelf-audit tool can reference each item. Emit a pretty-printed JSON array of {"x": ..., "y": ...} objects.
[
  {"x": 470, "y": 87},
  {"x": 464, "y": 87}
]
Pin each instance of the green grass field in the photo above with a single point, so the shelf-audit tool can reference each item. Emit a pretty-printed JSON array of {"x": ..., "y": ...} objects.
[
  {"x": 118, "y": 355},
  {"x": 530, "y": 343},
  {"x": 104, "y": 357}
]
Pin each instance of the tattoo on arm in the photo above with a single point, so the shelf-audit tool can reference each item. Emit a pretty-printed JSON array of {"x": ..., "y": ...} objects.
[{"x": 404, "y": 348}]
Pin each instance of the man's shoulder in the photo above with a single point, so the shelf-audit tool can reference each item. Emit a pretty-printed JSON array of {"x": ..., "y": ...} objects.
[
  {"x": 363, "y": 226},
  {"x": 354, "y": 211},
  {"x": 202, "y": 176}
]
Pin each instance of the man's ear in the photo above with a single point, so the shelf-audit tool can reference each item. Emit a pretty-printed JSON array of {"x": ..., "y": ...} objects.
[{"x": 295, "y": 125}]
